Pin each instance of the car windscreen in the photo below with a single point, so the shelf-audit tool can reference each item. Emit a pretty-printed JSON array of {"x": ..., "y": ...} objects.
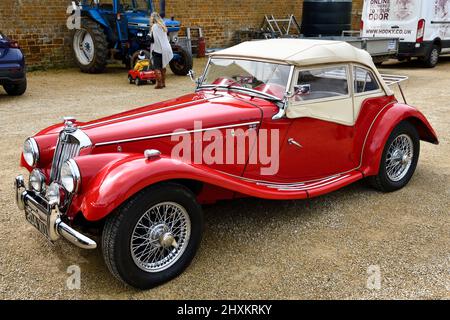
[{"x": 262, "y": 77}]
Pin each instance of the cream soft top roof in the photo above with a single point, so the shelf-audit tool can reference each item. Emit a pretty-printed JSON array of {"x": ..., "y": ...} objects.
[{"x": 299, "y": 52}]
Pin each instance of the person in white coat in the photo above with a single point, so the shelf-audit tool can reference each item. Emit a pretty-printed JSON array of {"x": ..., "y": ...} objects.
[{"x": 160, "y": 48}]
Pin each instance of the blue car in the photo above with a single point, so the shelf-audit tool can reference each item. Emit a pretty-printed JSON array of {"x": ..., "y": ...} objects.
[{"x": 12, "y": 67}]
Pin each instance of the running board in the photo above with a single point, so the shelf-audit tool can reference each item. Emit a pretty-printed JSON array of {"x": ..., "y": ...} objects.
[{"x": 294, "y": 190}]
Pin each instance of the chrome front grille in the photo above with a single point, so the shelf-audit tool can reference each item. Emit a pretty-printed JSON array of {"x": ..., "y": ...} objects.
[{"x": 67, "y": 147}]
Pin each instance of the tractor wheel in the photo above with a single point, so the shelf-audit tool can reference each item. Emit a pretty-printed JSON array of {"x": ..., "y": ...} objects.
[
  {"x": 130, "y": 79},
  {"x": 134, "y": 57},
  {"x": 182, "y": 65},
  {"x": 90, "y": 47}
]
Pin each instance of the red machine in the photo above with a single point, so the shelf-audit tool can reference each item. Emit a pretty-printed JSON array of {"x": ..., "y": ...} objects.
[
  {"x": 274, "y": 119},
  {"x": 141, "y": 77}
]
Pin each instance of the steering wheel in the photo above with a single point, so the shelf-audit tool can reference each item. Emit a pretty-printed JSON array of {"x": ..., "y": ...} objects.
[
  {"x": 223, "y": 81},
  {"x": 272, "y": 89}
]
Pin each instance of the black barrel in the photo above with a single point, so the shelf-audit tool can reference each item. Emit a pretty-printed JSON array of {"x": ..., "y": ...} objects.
[{"x": 326, "y": 17}]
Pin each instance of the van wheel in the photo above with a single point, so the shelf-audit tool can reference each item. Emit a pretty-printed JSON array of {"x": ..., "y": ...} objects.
[
  {"x": 154, "y": 236},
  {"x": 432, "y": 58}
]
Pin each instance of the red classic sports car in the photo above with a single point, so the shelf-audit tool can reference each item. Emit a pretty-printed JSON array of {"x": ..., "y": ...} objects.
[
  {"x": 141, "y": 77},
  {"x": 274, "y": 119}
]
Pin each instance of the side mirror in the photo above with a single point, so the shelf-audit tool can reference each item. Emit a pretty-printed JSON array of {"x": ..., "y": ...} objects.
[
  {"x": 299, "y": 90},
  {"x": 195, "y": 80},
  {"x": 191, "y": 74}
]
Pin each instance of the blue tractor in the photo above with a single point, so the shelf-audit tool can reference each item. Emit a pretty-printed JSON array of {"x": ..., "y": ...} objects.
[{"x": 118, "y": 29}]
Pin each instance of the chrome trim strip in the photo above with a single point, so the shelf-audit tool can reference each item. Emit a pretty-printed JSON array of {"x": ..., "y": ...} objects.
[
  {"x": 295, "y": 185},
  {"x": 150, "y": 111},
  {"x": 175, "y": 133},
  {"x": 241, "y": 89},
  {"x": 268, "y": 183},
  {"x": 307, "y": 187}
]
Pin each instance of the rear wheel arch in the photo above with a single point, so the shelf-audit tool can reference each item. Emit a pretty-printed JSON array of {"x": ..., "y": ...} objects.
[
  {"x": 438, "y": 42},
  {"x": 425, "y": 133},
  {"x": 398, "y": 159},
  {"x": 379, "y": 134}
]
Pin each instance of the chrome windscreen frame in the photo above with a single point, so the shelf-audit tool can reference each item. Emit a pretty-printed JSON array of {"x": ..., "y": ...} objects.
[{"x": 281, "y": 103}]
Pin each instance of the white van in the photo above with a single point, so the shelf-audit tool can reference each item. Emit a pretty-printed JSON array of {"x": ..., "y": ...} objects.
[{"x": 422, "y": 26}]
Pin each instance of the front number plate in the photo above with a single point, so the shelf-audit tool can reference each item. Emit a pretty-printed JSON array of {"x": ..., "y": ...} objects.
[{"x": 32, "y": 216}]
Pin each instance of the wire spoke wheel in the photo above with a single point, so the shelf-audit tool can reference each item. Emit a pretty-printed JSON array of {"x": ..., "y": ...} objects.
[
  {"x": 399, "y": 157},
  {"x": 160, "y": 236}
]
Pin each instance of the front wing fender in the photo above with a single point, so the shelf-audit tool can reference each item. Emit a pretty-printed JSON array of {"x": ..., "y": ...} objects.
[{"x": 119, "y": 181}]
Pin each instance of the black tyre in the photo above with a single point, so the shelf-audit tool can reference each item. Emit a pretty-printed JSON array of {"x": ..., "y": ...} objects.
[
  {"x": 130, "y": 79},
  {"x": 90, "y": 47},
  {"x": 134, "y": 57},
  {"x": 154, "y": 236},
  {"x": 16, "y": 89},
  {"x": 399, "y": 159},
  {"x": 137, "y": 81},
  {"x": 181, "y": 66},
  {"x": 432, "y": 57}
]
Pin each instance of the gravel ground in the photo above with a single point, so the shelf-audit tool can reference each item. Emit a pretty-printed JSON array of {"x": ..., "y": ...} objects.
[{"x": 319, "y": 249}]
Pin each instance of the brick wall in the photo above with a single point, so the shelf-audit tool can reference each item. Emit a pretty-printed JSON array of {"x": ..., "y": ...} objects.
[
  {"x": 40, "y": 25},
  {"x": 40, "y": 28}
]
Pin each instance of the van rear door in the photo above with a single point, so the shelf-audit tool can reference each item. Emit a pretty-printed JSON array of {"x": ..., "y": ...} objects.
[{"x": 391, "y": 18}]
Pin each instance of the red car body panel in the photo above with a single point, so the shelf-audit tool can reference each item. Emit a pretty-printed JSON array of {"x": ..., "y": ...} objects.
[
  {"x": 334, "y": 155},
  {"x": 389, "y": 117}
]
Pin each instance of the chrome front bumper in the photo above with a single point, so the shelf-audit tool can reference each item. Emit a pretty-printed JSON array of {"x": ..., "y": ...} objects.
[{"x": 46, "y": 216}]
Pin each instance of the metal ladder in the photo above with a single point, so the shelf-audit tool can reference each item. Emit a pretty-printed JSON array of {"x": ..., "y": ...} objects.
[{"x": 280, "y": 27}]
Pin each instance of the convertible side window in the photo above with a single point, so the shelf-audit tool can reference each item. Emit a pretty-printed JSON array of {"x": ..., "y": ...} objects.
[
  {"x": 323, "y": 83},
  {"x": 364, "y": 80}
]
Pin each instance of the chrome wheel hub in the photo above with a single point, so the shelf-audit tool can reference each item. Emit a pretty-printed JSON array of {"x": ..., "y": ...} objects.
[
  {"x": 399, "y": 157},
  {"x": 83, "y": 46},
  {"x": 160, "y": 237}
]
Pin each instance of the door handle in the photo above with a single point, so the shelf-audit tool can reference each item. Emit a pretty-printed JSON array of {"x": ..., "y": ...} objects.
[{"x": 295, "y": 143}]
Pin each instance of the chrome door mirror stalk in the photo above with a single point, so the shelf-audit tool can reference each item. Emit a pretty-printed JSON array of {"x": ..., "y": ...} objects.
[{"x": 191, "y": 74}]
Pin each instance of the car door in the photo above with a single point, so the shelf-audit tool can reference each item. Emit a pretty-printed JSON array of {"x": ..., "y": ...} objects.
[{"x": 319, "y": 141}]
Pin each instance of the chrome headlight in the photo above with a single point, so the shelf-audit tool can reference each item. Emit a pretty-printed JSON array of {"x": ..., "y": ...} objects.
[
  {"x": 30, "y": 152},
  {"x": 70, "y": 176},
  {"x": 37, "y": 180},
  {"x": 53, "y": 194}
]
